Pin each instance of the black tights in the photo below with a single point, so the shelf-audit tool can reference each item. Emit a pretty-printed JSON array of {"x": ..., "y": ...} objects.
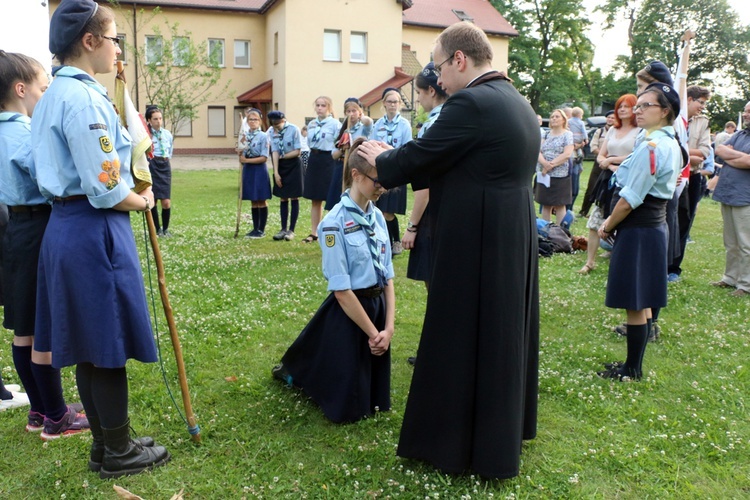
[{"x": 104, "y": 393}]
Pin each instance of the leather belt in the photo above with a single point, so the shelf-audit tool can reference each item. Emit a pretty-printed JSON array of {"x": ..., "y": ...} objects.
[
  {"x": 369, "y": 293},
  {"x": 75, "y": 197},
  {"x": 30, "y": 208},
  {"x": 319, "y": 151}
]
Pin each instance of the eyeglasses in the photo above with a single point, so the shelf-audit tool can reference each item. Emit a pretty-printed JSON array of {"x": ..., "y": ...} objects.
[
  {"x": 645, "y": 106},
  {"x": 375, "y": 180},
  {"x": 391, "y": 101},
  {"x": 253, "y": 119},
  {"x": 115, "y": 40},
  {"x": 438, "y": 72},
  {"x": 702, "y": 102}
]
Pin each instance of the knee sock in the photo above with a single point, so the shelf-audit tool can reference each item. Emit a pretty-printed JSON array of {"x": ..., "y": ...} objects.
[
  {"x": 49, "y": 385},
  {"x": 84, "y": 375},
  {"x": 393, "y": 231},
  {"x": 655, "y": 313},
  {"x": 295, "y": 215},
  {"x": 109, "y": 388},
  {"x": 155, "y": 215},
  {"x": 284, "y": 214},
  {"x": 637, "y": 340},
  {"x": 4, "y": 393},
  {"x": 256, "y": 217},
  {"x": 263, "y": 218},
  {"x": 22, "y": 361},
  {"x": 165, "y": 213}
]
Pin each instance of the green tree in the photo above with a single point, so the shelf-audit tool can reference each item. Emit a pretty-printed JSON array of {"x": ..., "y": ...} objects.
[{"x": 174, "y": 72}]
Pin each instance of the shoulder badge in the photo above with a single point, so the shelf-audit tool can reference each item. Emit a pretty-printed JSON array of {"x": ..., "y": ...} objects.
[
  {"x": 106, "y": 144},
  {"x": 330, "y": 240}
]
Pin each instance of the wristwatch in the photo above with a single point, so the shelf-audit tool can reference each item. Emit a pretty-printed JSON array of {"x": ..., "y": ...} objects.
[
  {"x": 411, "y": 227},
  {"x": 148, "y": 204}
]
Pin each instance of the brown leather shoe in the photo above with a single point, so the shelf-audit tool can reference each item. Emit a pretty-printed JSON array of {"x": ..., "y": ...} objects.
[
  {"x": 739, "y": 293},
  {"x": 721, "y": 284}
]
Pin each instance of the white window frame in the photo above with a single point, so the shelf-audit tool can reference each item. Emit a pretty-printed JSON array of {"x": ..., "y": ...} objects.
[
  {"x": 211, "y": 115},
  {"x": 123, "y": 54},
  {"x": 220, "y": 42},
  {"x": 332, "y": 45},
  {"x": 247, "y": 48},
  {"x": 154, "y": 49},
  {"x": 180, "y": 43},
  {"x": 358, "y": 57}
]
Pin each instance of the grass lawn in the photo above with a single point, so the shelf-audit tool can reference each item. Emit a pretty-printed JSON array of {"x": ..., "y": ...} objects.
[{"x": 682, "y": 432}]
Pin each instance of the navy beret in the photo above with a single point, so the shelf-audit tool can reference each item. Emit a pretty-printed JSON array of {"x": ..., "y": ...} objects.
[
  {"x": 388, "y": 89},
  {"x": 429, "y": 74},
  {"x": 354, "y": 100},
  {"x": 670, "y": 93},
  {"x": 610, "y": 112},
  {"x": 68, "y": 22},
  {"x": 275, "y": 116},
  {"x": 659, "y": 71}
]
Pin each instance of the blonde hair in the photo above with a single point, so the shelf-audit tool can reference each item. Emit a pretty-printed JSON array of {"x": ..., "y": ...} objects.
[
  {"x": 564, "y": 116},
  {"x": 329, "y": 103}
]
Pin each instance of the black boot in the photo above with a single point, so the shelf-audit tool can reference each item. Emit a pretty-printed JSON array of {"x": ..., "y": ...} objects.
[
  {"x": 125, "y": 457},
  {"x": 97, "y": 447}
]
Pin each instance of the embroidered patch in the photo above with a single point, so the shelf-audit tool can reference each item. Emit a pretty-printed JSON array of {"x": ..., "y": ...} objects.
[
  {"x": 106, "y": 144},
  {"x": 330, "y": 240},
  {"x": 352, "y": 229},
  {"x": 106, "y": 165},
  {"x": 382, "y": 249},
  {"x": 110, "y": 175},
  {"x": 349, "y": 223},
  {"x": 97, "y": 126},
  {"x": 104, "y": 177},
  {"x": 334, "y": 228}
]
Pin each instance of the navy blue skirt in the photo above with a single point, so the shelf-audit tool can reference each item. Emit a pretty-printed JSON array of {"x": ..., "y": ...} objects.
[
  {"x": 21, "y": 245},
  {"x": 91, "y": 302},
  {"x": 334, "y": 189},
  {"x": 256, "y": 183},
  {"x": 332, "y": 363},
  {"x": 393, "y": 201},
  {"x": 318, "y": 175},
  {"x": 638, "y": 269},
  {"x": 290, "y": 171},
  {"x": 161, "y": 177}
]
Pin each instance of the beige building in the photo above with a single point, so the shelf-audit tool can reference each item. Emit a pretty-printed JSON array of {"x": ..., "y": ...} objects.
[{"x": 283, "y": 54}]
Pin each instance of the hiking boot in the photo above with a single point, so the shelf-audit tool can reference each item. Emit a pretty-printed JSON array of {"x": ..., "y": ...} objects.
[
  {"x": 70, "y": 423},
  {"x": 124, "y": 456},
  {"x": 35, "y": 422},
  {"x": 289, "y": 236},
  {"x": 97, "y": 447}
]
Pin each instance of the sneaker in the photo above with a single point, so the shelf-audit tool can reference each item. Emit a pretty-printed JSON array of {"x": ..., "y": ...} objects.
[
  {"x": 673, "y": 278},
  {"x": 19, "y": 399},
  {"x": 279, "y": 372},
  {"x": 35, "y": 422},
  {"x": 412, "y": 360},
  {"x": 690, "y": 240},
  {"x": 166, "y": 234},
  {"x": 279, "y": 236},
  {"x": 159, "y": 232},
  {"x": 256, "y": 234},
  {"x": 396, "y": 248},
  {"x": 655, "y": 332},
  {"x": 71, "y": 423},
  {"x": 289, "y": 236},
  {"x": 621, "y": 329}
]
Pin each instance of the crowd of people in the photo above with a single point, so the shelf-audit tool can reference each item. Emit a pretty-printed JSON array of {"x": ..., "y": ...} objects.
[{"x": 64, "y": 176}]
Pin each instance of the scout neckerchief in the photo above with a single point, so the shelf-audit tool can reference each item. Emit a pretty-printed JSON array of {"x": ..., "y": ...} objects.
[
  {"x": 367, "y": 222},
  {"x": 71, "y": 72},
  {"x": 390, "y": 128},
  {"x": 249, "y": 137},
  {"x": 7, "y": 116},
  {"x": 281, "y": 139},
  {"x": 430, "y": 119},
  {"x": 353, "y": 130},
  {"x": 318, "y": 130},
  {"x": 164, "y": 145}
]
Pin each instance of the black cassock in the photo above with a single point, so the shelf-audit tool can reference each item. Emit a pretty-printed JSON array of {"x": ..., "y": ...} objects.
[{"x": 473, "y": 397}]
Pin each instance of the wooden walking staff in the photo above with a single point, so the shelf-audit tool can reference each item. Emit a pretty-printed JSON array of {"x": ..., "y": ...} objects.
[
  {"x": 239, "y": 196},
  {"x": 136, "y": 125}
]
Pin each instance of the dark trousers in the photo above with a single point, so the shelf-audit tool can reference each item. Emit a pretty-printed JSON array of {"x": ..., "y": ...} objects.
[
  {"x": 688, "y": 205},
  {"x": 587, "y": 197}
]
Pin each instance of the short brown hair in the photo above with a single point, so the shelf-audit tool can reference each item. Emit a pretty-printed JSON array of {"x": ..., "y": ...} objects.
[
  {"x": 354, "y": 161},
  {"x": 14, "y": 68},
  {"x": 696, "y": 92},
  {"x": 467, "y": 38},
  {"x": 96, "y": 26}
]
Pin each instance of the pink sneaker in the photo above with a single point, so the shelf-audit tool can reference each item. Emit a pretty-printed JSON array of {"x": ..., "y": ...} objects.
[{"x": 71, "y": 423}]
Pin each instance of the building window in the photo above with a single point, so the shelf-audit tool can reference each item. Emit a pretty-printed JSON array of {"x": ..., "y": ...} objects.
[
  {"x": 122, "y": 55},
  {"x": 358, "y": 47},
  {"x": 216, "y": 51},
  {"x": 276, "y": 48},
  {"x": 241, "y": 54},
  {"x": 463, "y": 16},
  {"x": 180, "y": 50},
  {"x": 331, "y": 45},
  {"x": 217, "y": 121},
  {"x": 184, "y": 128},
  {"x": 154, "y": 49}
]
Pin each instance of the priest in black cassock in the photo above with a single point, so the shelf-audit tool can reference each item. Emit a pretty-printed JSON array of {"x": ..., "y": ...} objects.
[{"x": 473, "y": 397}]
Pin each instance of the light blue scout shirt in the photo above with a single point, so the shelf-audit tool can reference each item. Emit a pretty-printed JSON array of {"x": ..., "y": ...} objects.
[
  {"x": 357, "y": 131},
  {"x": 321, "y": 134},
  {"x": 430, "y": 120},
  {"x": 634, "y": 174},
  {"x": 394, "y": 133},
  {"x": 163, "y": 142},
  {"x": 79, "y": 146},
  {"x": 347, "y": 260},
  {"x": 288, "y": 139},
  {"x": 257, "y": 144},
  {"x": 17, "y": 172}
]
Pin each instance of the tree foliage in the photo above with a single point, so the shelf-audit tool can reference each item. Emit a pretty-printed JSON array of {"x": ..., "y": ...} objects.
[{"x": 178, "y": 74}]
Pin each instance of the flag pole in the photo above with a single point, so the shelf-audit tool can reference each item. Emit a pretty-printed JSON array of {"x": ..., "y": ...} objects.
[
  {"x": 239, "y": 196},
  {"x": 144, "y": 178}
]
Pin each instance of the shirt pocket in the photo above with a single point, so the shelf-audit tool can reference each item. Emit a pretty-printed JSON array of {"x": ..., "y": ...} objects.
[{"x": 358, "y": 247}]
